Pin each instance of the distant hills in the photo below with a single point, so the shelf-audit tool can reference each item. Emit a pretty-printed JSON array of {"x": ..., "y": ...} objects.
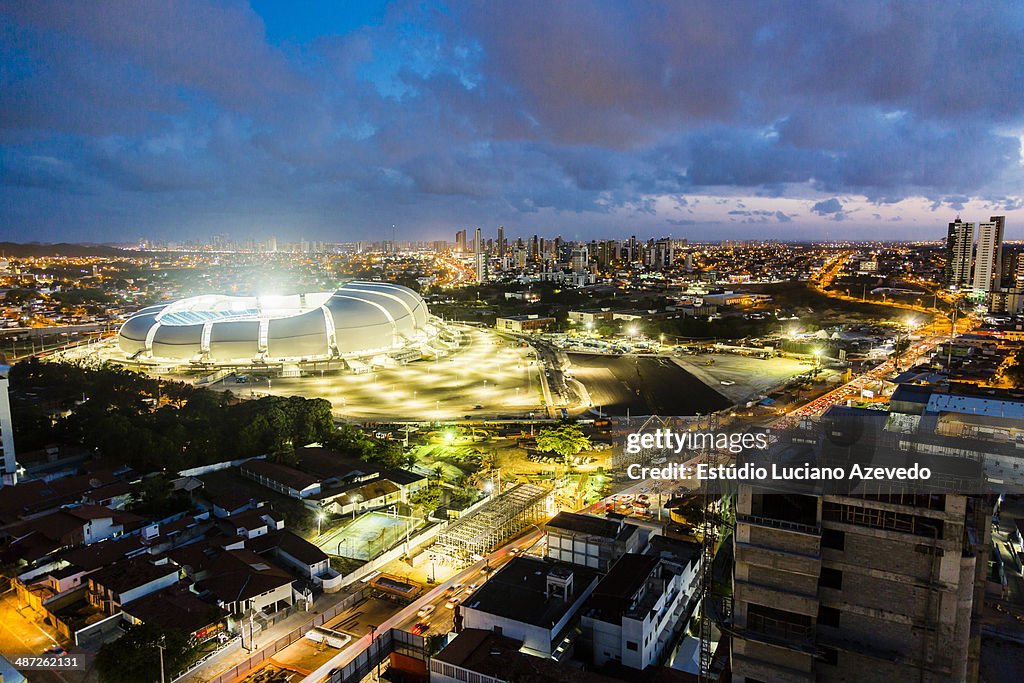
[{"x": 17, "y": 250}]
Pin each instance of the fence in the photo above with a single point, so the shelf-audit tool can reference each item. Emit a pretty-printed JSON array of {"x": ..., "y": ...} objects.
[
  {"x": 281, "y": 643},
  {"x": 214, "y": 467},
  {"x": 229, "y": 646},
  {"x": 98, "y": 631},
  {"x": 392, "y": 640},
  {"x": 373, "y": 565}
]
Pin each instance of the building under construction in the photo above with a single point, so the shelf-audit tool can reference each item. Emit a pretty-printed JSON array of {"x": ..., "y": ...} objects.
[
  {"x": 883, "y": 585},
  {"x": 478, "y": 533}
]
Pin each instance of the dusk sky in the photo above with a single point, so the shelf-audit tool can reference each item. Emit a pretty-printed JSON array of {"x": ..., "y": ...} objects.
[{"x": 335, "y": 120}]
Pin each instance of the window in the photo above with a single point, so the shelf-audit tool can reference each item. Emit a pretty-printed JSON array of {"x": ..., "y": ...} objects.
[
  {"x": 830, "y": 655},
  {"x": 630, "y": 645},
  {"x": 882, "y": 519},
  {"x": 828, "y": 616},
  {"x": 830, "y": 578},
  {"x": 777, "y": 622},
  {"x": 831, "y": 538}
]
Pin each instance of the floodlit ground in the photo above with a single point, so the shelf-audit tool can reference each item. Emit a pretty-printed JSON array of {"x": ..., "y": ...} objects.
[
  {"x": 751, "y": 377},
  {"x": 368, "y": 536},
  {"x": 487, "y": 372},
  {"x": 486, "y": 377}
]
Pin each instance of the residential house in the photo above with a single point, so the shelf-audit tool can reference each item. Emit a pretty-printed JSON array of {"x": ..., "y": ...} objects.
[{"x": 128, "y": 580}]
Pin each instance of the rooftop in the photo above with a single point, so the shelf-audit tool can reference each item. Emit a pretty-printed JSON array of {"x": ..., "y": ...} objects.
[
  {"x": 615, "y": 594},
  {"x": 488, "y": 653},
  {"x": 282, "y": 474},
  {"x": 104, "y": 553},
  {"x": 290, "y": 543},
  {"x": 519, "y": 591},
  {"x": 131, "y": 573},
  {"x": 174, "y": 608},
  {"x": 238, "y": 575},
  {"x": 590, "y": 525}
]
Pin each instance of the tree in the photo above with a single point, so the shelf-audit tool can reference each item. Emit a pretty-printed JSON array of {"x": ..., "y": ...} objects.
[
  {"x": 566, "y": 439},
  {"x": 156, "y": 496},
  {"x": 429, "y": 498},
  {"x": 1015, "y": 372},
  {"x": 134, "y": 657}
]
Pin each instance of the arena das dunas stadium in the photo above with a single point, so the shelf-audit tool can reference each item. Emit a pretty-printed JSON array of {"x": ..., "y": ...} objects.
[{"x": 361, "y": 320}]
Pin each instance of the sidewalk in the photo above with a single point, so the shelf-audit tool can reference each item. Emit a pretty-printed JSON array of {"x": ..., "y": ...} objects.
[{"x": 216, "y": 665}]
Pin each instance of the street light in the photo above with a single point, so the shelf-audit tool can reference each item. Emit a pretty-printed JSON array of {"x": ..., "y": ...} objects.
[{"x": 319, "y": 518}]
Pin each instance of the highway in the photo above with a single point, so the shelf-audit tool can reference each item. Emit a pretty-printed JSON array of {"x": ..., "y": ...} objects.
[{"x": 853, "y": 388}]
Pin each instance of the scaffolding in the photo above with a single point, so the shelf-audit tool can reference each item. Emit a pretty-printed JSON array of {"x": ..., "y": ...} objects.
[
  {"x": 473, "y": 536},
  {"x": 709, "y": 548}
]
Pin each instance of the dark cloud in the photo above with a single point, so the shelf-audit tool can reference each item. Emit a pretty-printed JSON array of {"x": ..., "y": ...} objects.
[
  {"x": 827, "y": 207},
  {"x": 178, "y": 117}
]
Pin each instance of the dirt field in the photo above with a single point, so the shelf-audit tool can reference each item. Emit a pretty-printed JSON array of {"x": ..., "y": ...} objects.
[
  {"x": 751, "y": 376},
  {"x": 640, "y": 385}
]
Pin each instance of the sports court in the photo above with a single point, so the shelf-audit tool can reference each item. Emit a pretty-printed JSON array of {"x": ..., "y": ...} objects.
[{"x": 370, "y": 535}]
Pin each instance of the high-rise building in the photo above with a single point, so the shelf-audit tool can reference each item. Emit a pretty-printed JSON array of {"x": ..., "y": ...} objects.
[
  {"x": 1017, "y": 273},
  {"x": 959, "y": 245},
  {"x": 480, "y": 266},
  {"x": 478, "y": 243},
  {"x": 460, "y": 241},
  {"x": 579, "y": 261},
  {"x": 501, "y": 246},
  {"x": 8, "y": 461},
  {"x": 988, "y": 260}
]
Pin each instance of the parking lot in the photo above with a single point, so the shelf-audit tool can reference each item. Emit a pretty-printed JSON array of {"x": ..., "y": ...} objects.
[{"x": 487, "y": 376}]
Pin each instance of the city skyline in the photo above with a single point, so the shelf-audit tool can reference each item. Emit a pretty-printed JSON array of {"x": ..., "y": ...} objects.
[{"x": 334, "y": 124}]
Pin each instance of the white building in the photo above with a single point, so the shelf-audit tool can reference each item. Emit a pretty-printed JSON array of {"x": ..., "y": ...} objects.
[
  {"x": 988, "y": 260},
  {"x": 533, "y": 601},
  {"x": 634, "y": 614},
  {"x": 8, "y": 462},
  {"x": 589, "y": 541}
]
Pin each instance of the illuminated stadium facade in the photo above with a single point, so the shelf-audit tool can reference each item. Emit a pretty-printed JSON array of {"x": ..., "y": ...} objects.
[{"x": 361, "y": 320}]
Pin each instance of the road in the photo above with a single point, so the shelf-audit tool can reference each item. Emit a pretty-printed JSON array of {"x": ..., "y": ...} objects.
[
  {"x": 853, "y": 388},
  {"x": 440, "y": 618},
  {"x": 20, "y": 634}
]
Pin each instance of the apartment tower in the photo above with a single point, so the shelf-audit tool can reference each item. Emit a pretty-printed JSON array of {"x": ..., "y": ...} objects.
[
  {"x": 988, "y": 260},
  {"x": 959, "y": 248}
]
